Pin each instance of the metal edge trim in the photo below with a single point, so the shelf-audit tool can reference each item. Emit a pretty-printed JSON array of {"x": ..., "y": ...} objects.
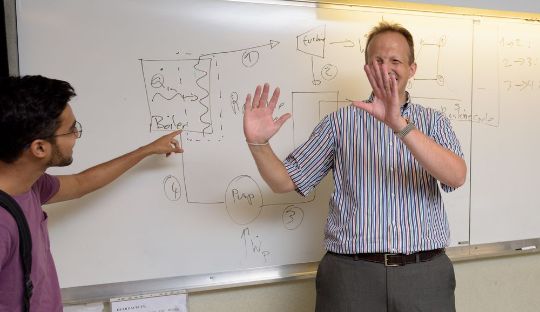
[{"x": 266, "y": 275}]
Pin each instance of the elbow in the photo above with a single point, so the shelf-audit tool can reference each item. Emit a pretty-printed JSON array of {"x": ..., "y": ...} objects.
[
  {"x": 280, "y": 188},
  {"x": 461, "y": 175},
  {"x": 460, "y": 181}
]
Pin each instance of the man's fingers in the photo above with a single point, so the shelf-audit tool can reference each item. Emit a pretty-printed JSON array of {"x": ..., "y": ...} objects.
[
  {"x": 264, "y": 96},
  {"x": 274, "y": 99},
  {"x": 247, "y": 104},
  {"x": 175, "y": 147},
  {"x": 368, "y": 107},
  {"x": 371, "y": 77},
  {"x": 256, "y": 97}
]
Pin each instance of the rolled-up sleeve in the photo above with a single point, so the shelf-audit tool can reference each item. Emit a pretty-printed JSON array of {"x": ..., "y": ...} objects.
[{"x": 309, "y": 163}]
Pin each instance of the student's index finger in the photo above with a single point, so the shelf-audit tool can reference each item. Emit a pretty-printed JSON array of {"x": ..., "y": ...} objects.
[{"x": 174, "y": 133}]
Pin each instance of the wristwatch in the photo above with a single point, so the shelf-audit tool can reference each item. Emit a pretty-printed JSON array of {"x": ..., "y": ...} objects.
[{"x": 403, "y": 132}]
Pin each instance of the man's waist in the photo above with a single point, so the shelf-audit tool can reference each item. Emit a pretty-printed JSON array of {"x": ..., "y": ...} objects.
[{"x": 394, "y": 259}]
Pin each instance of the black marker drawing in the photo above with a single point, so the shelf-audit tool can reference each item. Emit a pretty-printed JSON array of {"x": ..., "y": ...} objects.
[
  {"x": 177, "y": 93},
  {"x": 253, "y": 245},
  {"x": 292, "y": 217},
  {"x": 171, "y": 188},
  {"x": 243, "y": 200},
  {"x": 313, "y": 43},
  {"x": 429, "y": 54}
]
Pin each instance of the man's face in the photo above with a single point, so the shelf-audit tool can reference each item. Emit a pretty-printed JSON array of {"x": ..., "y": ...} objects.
[
  {"x": 392, "y": 49},
  {"x": 63, "y": 142}
]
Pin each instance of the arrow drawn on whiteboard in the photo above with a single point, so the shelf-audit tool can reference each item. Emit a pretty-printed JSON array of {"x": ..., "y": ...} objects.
[
  {"x": 272, "y": 45},
  {"x": 315, "y": 82},
  {"x": 346, "y": 44}
]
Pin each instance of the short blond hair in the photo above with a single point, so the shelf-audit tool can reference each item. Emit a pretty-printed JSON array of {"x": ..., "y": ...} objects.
[{"x": 385, "y": 26}]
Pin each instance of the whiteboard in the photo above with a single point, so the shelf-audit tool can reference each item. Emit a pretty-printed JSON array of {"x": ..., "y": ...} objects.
[
  {"x": 505, "y": 168},
  {"x": 143, "y": 68}
]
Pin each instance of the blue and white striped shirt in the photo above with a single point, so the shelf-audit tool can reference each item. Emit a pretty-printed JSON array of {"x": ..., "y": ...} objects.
[{"x": 383, "y": 200}]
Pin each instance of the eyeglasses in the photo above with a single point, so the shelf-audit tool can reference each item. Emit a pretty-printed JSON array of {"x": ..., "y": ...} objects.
[{"x": 76, "y": 129}]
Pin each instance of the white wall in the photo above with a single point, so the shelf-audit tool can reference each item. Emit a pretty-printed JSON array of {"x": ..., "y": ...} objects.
[{"x": 504, "y": 5}]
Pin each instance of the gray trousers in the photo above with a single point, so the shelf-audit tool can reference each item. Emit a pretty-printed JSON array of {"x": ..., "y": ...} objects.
[{"x": 346, "y": 285}]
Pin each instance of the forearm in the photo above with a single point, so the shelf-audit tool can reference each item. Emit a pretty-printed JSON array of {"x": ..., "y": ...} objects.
[
  {"x": 440, "y": 162},
  {"x": 91, "y": 179},
  {"x": 272, "y": 169},
  {"x": 98, "y": 176}
]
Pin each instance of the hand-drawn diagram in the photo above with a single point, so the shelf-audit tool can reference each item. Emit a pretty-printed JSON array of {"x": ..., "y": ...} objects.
[
  {"x": 177, "y": 93},
  {"x": 187, "y": 94},
  {"x": 430, "y": 74},
  {"x": 313, "y": 43},
  {"x": 430, "y": 53}
]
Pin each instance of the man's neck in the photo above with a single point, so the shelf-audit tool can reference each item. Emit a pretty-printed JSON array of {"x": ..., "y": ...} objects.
[{"x": 17, "y": 178}]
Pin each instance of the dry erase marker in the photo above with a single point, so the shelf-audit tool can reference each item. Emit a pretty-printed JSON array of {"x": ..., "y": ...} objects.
[{"x": 527, "y": 248}]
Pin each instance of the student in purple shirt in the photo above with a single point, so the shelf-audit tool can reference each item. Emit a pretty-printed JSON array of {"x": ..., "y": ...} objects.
[
  {"x": 386, "y": 228},
  {"x": 38, "y": 130}
]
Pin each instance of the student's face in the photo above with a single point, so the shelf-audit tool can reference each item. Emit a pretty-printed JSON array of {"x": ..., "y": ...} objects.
[
  {"x": 63, "y": 142},
  {"x": 392, "y": 49}
]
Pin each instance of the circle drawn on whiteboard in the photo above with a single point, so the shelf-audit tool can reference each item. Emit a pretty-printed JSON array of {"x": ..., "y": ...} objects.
[
  {"x": 440, "y": 80},
  {"x": 157, "y": 81},
  {"x": 329, "y": 72},
  {"x": 292, "y": 217},
  {"x": 243, "y": 200},
  {"x": 250, "y": 58},
  {"x": 171, "y": 187}
]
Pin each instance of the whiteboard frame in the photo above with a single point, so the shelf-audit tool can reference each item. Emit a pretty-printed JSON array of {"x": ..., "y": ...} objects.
[
  {"x": 266, "y": 275},
  {"x": 275, "y": 274}
]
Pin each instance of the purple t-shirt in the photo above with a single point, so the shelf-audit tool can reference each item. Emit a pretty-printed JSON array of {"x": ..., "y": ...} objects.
[{"x": 46, "y": 295}]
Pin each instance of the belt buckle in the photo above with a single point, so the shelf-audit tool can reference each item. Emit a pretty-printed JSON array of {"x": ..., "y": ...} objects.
[{"x": 386, "y": 264}]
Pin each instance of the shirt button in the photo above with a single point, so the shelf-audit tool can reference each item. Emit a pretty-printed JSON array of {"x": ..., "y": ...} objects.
[{"x": 393, "y": 195}]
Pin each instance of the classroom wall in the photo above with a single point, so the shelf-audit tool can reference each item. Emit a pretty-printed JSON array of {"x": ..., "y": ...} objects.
[
  {"x": 496, "y": 284},
  {"x": 532, "y": 6}
]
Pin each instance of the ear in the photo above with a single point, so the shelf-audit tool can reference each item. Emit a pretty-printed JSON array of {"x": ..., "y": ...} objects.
[
  {"x": 40, "y": 148},
  {"x": 412, "y": 70}
]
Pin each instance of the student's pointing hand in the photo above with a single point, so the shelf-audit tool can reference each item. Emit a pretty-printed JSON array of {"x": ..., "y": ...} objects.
[{"x": 166, "y": 144}]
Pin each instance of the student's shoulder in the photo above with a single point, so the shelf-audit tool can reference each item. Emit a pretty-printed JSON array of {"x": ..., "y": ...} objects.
[{"x": 8, "y": 226}]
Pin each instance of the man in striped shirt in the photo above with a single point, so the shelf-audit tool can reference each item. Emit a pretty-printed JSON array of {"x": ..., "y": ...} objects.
[{"x": 387, "y": 228}]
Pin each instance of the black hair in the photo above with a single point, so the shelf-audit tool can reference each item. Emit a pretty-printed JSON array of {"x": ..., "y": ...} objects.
[{"x": 30, "y": 108}]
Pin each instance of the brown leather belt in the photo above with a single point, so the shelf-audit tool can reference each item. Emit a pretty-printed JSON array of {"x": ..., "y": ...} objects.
[{"x": 390, "y": 259}]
